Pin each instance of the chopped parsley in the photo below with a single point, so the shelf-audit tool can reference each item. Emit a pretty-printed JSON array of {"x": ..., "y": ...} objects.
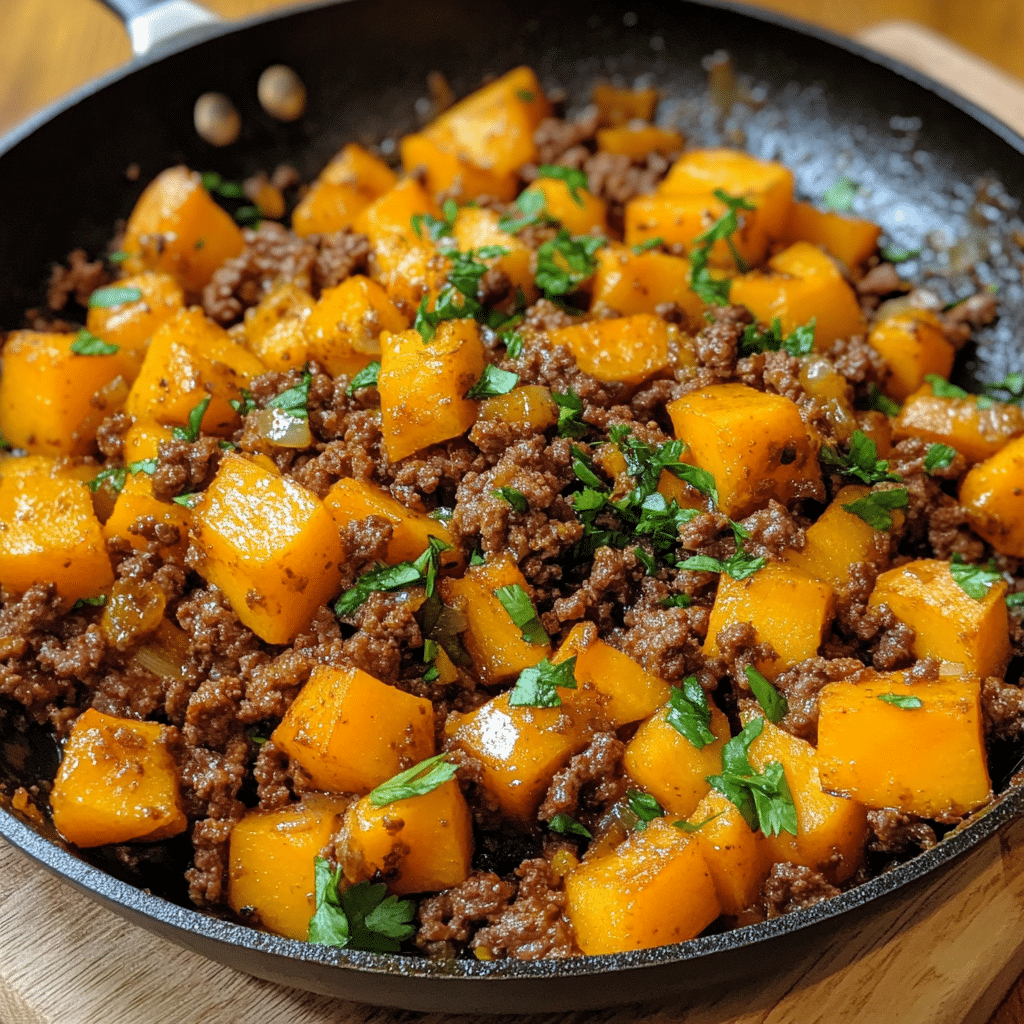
[
  {"x": 897, "y": 254},
  {"x": 250, "y": 215},
  {"x": 418, "y": 780},
  {"x": 87, "y": 344},
  {"x": 389, "y": 578},
  {"x": 839, "y": 197},
  {"x": 365, "y": 378},
  {"x": 901, "y": 700},
  {"x": 762, "y": 798},
  {"x": 874, "y": 508},
  {"x": 881, "y": 402},
  {"x": 773, "y": 703},
  {"x": 1009, "y": 389},
  {"x": 645, "y": 465},
  {"x": 89, "y": 602},
  {"x": 1015, "y": 601},
  {"x": 647, "y": 245},
  {"x": 188, "y": 501},
  {"x": 114, "y": 478},
  {"x": 457, "y": 299},
  {"x": 574, "y": 179},
  {"x": 143, "y": 466},
  {"x": 861, "y": 461},
  {"x": 564, "y": 262},
  {"x": 695, "y": 826},
  {"x": 644, "y": 806},
  {"x": 941, "y": 388},
  {"x": 293, "y": 402},
  {"x": 361, "y": 917},
  {"x": 190, "y": 432},
  {"x": 938, "y": 456},
  {"x": 515, "y": 498},
  {"x": 799, "y": 343},
  {"x": 689, "y": 713},
  {"x": 513, "y": 343},
  {"x": 739, "y": 566},
  {"x": 244, "y": 405},
  {"x": 529, "y": 209},
  {"x": 565, "y": 825},
  {"x": 493, "y": 381},
  {"x": 570, "y": 414},
  {"x": 436, "y": 229},
  {"x": 676, "y": 601},
  {"x": 712, "y": 290},
  {"x": 520, "y": 610},
  {"x": 104, "y": 298},
  {"x": 974, "y": 580},
  {"x": 213, "y": 182},
  {"x": 537, "y": 687}
]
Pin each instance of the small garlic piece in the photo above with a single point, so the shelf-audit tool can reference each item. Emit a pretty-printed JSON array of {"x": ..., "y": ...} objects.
[
  {"x": 216, "y": 119},
  {"x": 281, "y": 93}
]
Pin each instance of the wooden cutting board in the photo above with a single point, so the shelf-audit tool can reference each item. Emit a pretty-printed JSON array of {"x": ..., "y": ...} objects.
[{"x": 949, "y": 956}]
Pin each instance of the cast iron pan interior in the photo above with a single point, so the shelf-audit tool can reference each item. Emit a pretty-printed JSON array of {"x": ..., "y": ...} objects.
[{"x": 828, "y": 109}]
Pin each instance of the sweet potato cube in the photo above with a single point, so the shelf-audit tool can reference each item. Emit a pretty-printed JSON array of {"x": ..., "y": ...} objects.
[
  {"x": 520, "y": 749},
  {"x": 619, "y": 689},
  {"x": 275, "y": 328},
  {"x": 343, "y": 328},
  {"x": 677, "y": 219},
  {"x": 803, "y": 284},
  {"x": 176, "y": 227},
  {"x": 630, "y": 349},
  {"x": 31, "y": 465},
  {"x": 629, "y": 283},
  {"x": 736, "y": 856},
  {"x": 351, "y": 732},
  {"x": 948, "y": 623},
  {"x": 578, "y": 211},
  {"x": 421, "y": 844},
  {"x": 49, "y": 394},
  {"x": 787, "y": 608},
  {"x": 49, "y": 533},
  {"x": 189, "y": 358},
  {"x": 838, "y": 540},
  {"x": 346, "y": 186},
  {"x": 271, "y": 855},
  {"x": 349, "y": 500},
  {"x": 423, "y": 386},
  {"x": 131, "y": 324},
  {"x": 768, "y": 185},
  {"x": 617, "y": 106},
  {"x": 754, "y": 444},
  {"x": 830, "y": 830},
  {"x": 493, "y": 127},
  {"x": 913, "y": 346},
  {"x": 664, "y": 762},
  {"x": 142, "y": 440},
  {"x": 637, "y": 140},
  {"x": 994, "y": 499},
  {"x": 135, "y": 502},
  {"x": 977, "y": 433},
  {"x": 448, "y": 170},
  {"x": 850, "y": 239},
  {"x": 529, "y": 407},
  {"x": 652, "y": 890},
  {"x": 117, "y": 783},
  {"x": 927, "y": 759},
  {"x": 492, "y": 639},
  {"x": 476, "y": 228},
  {"x": 270, "y": 545}
]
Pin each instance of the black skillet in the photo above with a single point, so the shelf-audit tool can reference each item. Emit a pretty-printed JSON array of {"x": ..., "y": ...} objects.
[{"x": 826, "y": 107}]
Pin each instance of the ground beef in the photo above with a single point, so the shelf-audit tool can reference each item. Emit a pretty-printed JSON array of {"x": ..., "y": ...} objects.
[
  {"x": 207, "y": 878},
  {"x": 1003, "y": 707},
  {"x": 184, "y": 466},
  {"x": 773, "y": 531},
  {"x": 554, "y": 136},
  {"x": 977, "y": 311},
  {"x": 800, "y": 686},
  {"x": 895, "y": 649},
  {"x": 792, "y": 887},
  {"x": 110, "y": 435},
  {"x": 893, "y": 832},
  {"x": 448, "y": 919},
  {"x": 339, "y": 255},
  {"x": 880, "y": 280},
  {"x": 80, "y": 278},
  {"x": 596, "y": 764}
]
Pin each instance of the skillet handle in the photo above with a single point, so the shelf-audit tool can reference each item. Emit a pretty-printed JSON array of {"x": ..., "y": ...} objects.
[{"x": 152, "y": 22}]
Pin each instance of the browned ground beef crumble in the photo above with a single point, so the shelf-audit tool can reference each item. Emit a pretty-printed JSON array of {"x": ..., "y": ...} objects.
[{"x": 234, "y": 688}]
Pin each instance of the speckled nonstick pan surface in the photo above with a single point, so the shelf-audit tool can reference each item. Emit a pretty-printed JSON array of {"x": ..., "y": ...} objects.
[{"x": 824, "y": 106}]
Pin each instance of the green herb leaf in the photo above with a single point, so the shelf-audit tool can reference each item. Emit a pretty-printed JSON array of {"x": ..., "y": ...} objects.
[
  {"x": 695, "y": 826},
  {"x": 647, "y": 244},
  {"x": 513, "y": 344},
  {"x": 90, "y": 602},
  {"x": 840, "y": 196},
  {"x": 676, "y": 601},
  {"x": 799, "y": 343},
  {"x": 564, "y": 825},
  {"x": 187, "y": 500},
  {"x": 574, "y": 179},
  {"x": 861, "y": 462},
  {"x": 365, "y": 378},
  {"x": 739, "y": 566},
  {"x": 244, "y": 405},
  {"x": 114, "y": 479},
  {"x": 328, "y": 926},
  {"x": 87, "y": 344},
  {"x": 493, "y": 381},
  {"x": 690, "y": 714},
  {"x": 773, "y": 703},
  {"x": 520, "y": 609},
  {"x": 418, "y": 780},
  {"x": 570, "y": 414},
  {"x": 143, "y": 466},
  {"x": 938, "y": 456},
  {"x": 897, "y": 254},
  {"x": 1009, "y": 389},
  {"x": 901, "y": 700},
  {"x": 389, "y": 578},
  {"x": 525, "y": 95},
  {"x": 530, "y": 210},
  {"x": 711, "y": 290},
  {"x": 537, "y": 687},
  {"x": 874, "y": 508},
  {"x": 476, "y": 557},
  {"x": 644, "y": 806},
  {"x": 941, "y": 388},
  {"x": 515, "y": 498},
  {"x": 249, "y": 215},
  {"x": 191, "y": 431},
  {"x": 118, "y": 257},
  {"x": 880, "y": 402},
  {"x": 564, "y": 262},
  {"x": 104, "y": 298},
  {"x": 1015, "y": 601},
  {"x": 974, "y": 580},
  {"x": 436, "y": 229},
  {"x": 293, "y": 402}
]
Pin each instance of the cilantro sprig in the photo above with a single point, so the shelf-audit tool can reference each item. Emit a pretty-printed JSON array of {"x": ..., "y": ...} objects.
[
  {"x": 773, "y": 703},
  {"x": 87, "y": 344},
  {"x": 974, "y": 580},
  {"x": 875, "y": 508},
  {"x": 529, "y": 209},
  {"x": 574, "y": 179},
  {"x": 457, "y": 299},
  {"x": 294, "y": 400},
  {"x": 905, "y": 701},
  {"x": 520, "y": 610},
  {"x": 493, "y": 382},
  {"x": 106, "y": 298},
  {"x": 739, "y": 566},
  {"x": 713, "y": 290},
  {"x": 861, "y": 461},
  {"x": 689, "y": 713},
  {"x": 537, "y": 687},
  {"x": 644, "y": 806},
  {"x": 799, "y": 343},
  {"x": 190, "y": 432},
  {"x": 436, "y": 229},
  {"x": 565, "y": 825},
  {"x": 564, "y": 262},
  {"x": 389, "y": 578},
  {"x": 938, "y": 456},
  {"x": 1009, "y": 389},
  {"x": 418, "y": 780},
  {"x": 515, "y": 498},
  {"x": 570, "y": 414},
  {"x": 840, "y": 195},
  {"x": 365, "y": 378}
]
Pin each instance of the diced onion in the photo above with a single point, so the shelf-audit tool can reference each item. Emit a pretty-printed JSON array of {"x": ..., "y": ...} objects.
[{"x": 281, "y": 430}]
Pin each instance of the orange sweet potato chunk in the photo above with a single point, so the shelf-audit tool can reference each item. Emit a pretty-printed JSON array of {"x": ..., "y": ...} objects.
[
  {"x": 577, "y": 210},
  {"x": 275, "y": 328},
  {"x": 423, "y": 386},
  {"x": 948, "y": 623},
  {"x": 628, "y": 282},
  {"x": 927, "y": 759},
  {"x": 630, "y": 349},
  {"x": 753, "y": 443},
  {"x": 117, "y": 782},
  {"x": 476, "y": 228},
  {"x": 637, "y": 140},
  {"x": 271, "y": 854},
  {"x": 421, "y": 844},
  {"x": 617, "y": 106},
  {"x": 850, "y": 239},
  {"x": 52, "y": 399},
  {"x": 913, "y": 346},
  {"x": 131, "y": 324},
  {"x": 270, "y": 545},
  {"x": 49, "y": 533},
  {"x": 135, "y": 501},
  {"x": 450, "y": 171},
  {"x": 994, "y": 499},
  {"x": 652, "y": 890},
  {"x": 176, "y": 227},
  {"x": 351, "y": 732}
]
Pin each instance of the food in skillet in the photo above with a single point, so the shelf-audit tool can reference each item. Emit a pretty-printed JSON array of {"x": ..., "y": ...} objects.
[{"x": 557, "y": 548}]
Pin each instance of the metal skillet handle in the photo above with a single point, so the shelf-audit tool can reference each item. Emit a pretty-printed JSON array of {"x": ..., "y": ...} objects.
[{"x": 151, "y": 22}]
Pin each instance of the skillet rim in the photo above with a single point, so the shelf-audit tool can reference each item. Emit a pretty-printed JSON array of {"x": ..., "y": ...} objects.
[{"x": 140, "y": 906}]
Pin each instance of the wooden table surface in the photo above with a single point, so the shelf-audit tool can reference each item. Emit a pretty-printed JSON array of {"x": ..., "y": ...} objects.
[{"x": 950, "y": 956}]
